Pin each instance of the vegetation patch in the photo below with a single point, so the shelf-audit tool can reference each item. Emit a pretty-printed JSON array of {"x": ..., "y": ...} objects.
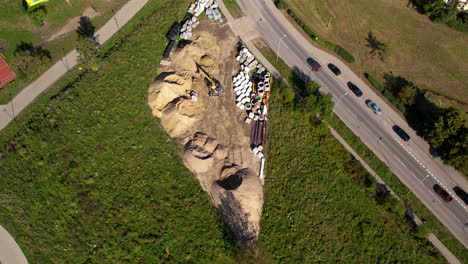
[
  {"x": 88, "y": 176},
  {"x": 234, "y": 8},
  {"x": 431, "y": 223},
  {"x": 320, "y": 204},
  {"x": 335, "y": 48}
]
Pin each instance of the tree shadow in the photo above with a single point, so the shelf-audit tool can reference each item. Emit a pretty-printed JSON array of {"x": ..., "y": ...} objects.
[
  {"x": 237, "y": 219},
  {"x": 32, "y": 50},
  {"x": 85, "y": 28}
]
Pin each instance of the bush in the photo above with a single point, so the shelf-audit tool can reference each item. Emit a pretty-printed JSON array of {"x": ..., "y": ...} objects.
[
  {"x": 344, "y": 54},
  {"x": 388, "y": 94},
  {"x": 402, "y": 108},
  {"x": 307, "y": 29},
  {"x": 280, "y": 4},
  {"x": 458, "y": 25},
  {"x": 374, "y": 82},
  {"x": 38, "y": 15}
]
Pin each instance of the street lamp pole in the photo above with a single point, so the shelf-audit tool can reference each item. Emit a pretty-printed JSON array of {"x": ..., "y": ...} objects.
[{"x": 279, "y": 43}]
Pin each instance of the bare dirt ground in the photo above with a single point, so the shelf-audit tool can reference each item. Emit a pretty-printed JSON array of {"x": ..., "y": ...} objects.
[
  {"x": 216, "y": 139},
  {"x": 72, "y": 24}
]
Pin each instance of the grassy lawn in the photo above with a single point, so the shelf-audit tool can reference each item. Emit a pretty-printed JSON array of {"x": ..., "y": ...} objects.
[
  {"x": 88, "y": 175},
  {"x": 431, "y": 55},
  {"x": 431, "y": 222},
  {"x": 15, "y": 27},
  {"x": 234, "y": 8},
  {"x": 317, "y": 209}
]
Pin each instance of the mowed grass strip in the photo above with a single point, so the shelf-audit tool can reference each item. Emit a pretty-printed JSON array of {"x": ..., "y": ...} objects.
[
  {"x": 88, "y": 176},
  {"x": 431, "y": 55},
  {"x": 234, "y": 8},
  {"x": 316, "y": 209}
]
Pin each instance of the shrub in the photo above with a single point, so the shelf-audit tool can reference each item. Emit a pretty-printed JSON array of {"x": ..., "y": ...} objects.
[
  {"x": 280, "y": 4},
  {"x": 402, "y": 108},
  {"x": 388, "y": 94},
  {"x": 338, "y": 50},
  {"x": 458, "y": 25},
  {"x": 374, "y": 82},
  {"x": 307, "y": 29},
  {"x": 38, "y": 15}
]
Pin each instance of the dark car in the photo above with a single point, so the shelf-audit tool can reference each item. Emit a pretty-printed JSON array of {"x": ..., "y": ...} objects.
[
  {"x": 314, "y": 64},
  {"x": 442, "y": 193},
  {"x": 334, "y": 69},
  {"x": 461, "y": 193},
  {"x": 355, "y": 89},
  {"x": 400, "y": 132}
]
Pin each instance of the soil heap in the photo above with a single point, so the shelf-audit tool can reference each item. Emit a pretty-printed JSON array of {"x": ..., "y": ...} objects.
[{"x": 216, "y": 139}]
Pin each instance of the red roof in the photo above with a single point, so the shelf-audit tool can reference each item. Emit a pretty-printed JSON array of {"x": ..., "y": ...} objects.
[{"x": 6, "y": 75}]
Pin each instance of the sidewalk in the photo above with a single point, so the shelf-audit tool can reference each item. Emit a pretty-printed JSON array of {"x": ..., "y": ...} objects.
[
  {"x": 24, "y": 98},
  {"x": 10, "y": 252}
]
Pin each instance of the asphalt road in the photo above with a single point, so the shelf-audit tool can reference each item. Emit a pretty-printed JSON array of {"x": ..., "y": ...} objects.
[{"x": 410, "y": 161}]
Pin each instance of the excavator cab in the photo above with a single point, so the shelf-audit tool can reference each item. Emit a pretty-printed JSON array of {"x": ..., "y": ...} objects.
[{"x": 214, "y": 87}]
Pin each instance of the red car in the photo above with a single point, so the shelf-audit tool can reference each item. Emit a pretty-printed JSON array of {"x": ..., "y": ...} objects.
[{"x": 447, "y": 198}]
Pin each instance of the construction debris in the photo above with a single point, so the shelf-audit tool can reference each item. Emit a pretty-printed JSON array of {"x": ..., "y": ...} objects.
[
  {"x": 210, "y": 6},
  {"x": 253, "y": 92}
]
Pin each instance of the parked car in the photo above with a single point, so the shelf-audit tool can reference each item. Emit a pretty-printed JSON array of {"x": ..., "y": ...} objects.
[
  {"x": 400, "y": 132},
  {"x": 442, "y": 193},
  {"x": 355, "y": 89},
  {"x": 334, "y": 69},
  {"x": 461, "y": 193},
  {"x": 314, "y": 64},
  {"x": 375, "y": 108}
]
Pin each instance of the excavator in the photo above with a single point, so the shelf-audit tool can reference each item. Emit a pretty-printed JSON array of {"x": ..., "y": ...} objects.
[{"x": 214, "y": 87}]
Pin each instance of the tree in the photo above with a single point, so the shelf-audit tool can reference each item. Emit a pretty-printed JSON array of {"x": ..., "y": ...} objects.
[
  {"x": 38, "y": 15},
  {"x": 29, "y": 59},
  {"x": 407, "y": 95},
  {"x": 316, "y": 102},
  {"x": 448, "y": 124},
  {"x": 89, "y": 52},
  {"x": 376, "y": 47}
]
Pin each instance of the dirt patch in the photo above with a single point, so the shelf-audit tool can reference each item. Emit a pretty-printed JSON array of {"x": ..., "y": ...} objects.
[
  {"x": 72, "y": 24},
  {"x": 212, "y": 129}
]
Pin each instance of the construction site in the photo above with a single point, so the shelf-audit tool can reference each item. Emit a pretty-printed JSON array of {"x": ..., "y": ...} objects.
[{"x": 212, "y": 95}]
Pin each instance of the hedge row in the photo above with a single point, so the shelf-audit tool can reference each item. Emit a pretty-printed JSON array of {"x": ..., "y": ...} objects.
[
  {"x": 306, "y": 28},
  {"x": 281, "y": 4},
  {"x": 387, "y": 93},
  {"x": 374, "y": 82},
  {"x": 335, "y": 48}
]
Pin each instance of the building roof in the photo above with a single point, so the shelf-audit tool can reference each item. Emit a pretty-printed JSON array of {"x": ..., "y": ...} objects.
[
  {"x": 6, "y": 75},
  {"x": 34, "y": 2}
]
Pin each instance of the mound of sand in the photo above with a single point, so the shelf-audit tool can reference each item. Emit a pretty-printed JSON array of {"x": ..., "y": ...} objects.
[{"x": 202, "y": 153}]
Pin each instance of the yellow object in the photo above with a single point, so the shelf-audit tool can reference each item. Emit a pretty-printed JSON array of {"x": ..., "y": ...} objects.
[{"x": 34, "y": 2}]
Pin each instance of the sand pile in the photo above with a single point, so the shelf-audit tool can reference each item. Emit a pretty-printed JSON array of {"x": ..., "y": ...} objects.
[{"x": 215, "y": 138}]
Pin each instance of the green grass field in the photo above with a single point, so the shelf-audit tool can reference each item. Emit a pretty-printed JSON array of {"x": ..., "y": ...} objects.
[
  {"x": 317, "y": 208},
  {"x": 431, "y": 55},
  {"x": 234, "y": 8},
  {"x": 431, "y": 223},
  {"x": 88, "y": 176},
  {"x": 15, "y": 27}
]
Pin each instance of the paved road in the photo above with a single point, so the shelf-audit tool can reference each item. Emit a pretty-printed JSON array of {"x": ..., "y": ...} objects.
[
  {"x": 10, "y": 252},
  {"x": 24, "y": 98},
  {"x": 410, "y": 161}
]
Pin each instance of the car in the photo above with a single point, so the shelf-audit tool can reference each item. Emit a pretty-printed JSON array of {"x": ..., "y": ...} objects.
[
  {"x": 314, "y": 64},
  {"x": 442, "y": 193},
  {"x": 401, "y": 133},
  {"x": 375, "y": 108},
  {"x": 355, "y": 89},
  {"x": 461, "y": 193},
  {"x": 334, "y": 69}
]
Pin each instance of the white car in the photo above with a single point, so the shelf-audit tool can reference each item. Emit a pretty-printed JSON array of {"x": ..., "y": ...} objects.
[{"x": 375, "y": 108}]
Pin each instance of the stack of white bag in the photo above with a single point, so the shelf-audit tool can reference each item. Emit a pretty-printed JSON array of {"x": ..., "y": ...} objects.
[
  {"x": 186, "y": 29},
  {"x": 209, "y": 5}
]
